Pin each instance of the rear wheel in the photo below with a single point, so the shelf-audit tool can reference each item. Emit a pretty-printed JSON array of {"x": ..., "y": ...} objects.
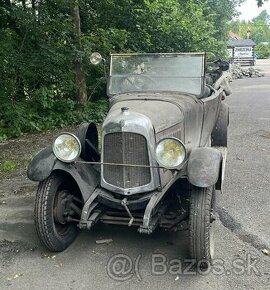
[
  {"x": 57, "y": 208},
  {"x": 201, "y": 225}
]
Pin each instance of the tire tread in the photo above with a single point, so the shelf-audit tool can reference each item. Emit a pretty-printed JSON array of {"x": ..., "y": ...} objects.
[
  {"x": 44, "y": 223},
  {"x": 199, "y": 223}
]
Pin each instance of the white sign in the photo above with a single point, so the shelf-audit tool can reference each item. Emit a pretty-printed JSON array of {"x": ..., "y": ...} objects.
[
  {"x": 243, "y": 52},
  {"x": 230, "y": 52}
]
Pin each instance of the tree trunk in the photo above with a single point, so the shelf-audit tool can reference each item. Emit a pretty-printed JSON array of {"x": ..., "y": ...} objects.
[
  {"x": 81, "y": 94},
  {"x": 23, "y": 4}
]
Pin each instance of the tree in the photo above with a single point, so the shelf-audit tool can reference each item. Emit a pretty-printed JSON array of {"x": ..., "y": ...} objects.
[
  {"x": 262, "y": 50},
  {"x": 259, "y": 28},
  {"x": 81, "y": 95},
  {"x": 44, "y": 47},
  {"x": 261, "y": 2},
  {"x": 263, "y": 16}
]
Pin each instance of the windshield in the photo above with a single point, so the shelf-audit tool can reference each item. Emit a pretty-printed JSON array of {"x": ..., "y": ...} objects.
[{"x": 156, "y": 72}]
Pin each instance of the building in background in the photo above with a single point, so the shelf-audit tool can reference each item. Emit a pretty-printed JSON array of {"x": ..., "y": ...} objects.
[{"x": 241, "y": 50}]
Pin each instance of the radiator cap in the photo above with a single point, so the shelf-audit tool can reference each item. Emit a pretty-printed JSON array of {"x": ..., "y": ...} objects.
[{"x": 125, "y": 110}]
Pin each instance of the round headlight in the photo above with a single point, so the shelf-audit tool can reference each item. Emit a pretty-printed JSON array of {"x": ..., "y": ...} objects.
[
  {"x": 67, "y": 147},
  {"x": 170, "y": 153},
  {"x": 95, "y": 58}
]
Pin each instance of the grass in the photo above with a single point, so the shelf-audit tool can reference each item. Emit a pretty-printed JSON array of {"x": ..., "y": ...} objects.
[{"x": 8, "y": 166}]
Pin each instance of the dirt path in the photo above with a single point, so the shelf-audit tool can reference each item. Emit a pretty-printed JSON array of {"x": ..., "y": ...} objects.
[{"x": 17, "y": 193}]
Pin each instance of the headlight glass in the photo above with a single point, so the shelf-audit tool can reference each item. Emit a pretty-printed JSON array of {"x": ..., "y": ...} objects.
[
  {"x": 67, "y": 147},
  {"x": 170, "y": 153}
]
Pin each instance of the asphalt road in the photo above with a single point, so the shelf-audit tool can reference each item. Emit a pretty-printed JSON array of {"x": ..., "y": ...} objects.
[{"x": 242, "y": 230}]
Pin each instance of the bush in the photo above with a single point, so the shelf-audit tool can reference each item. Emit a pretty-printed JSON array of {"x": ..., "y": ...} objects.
[
  {"x": 262, "y": 50},
  {"x": 54, "y": 113}
]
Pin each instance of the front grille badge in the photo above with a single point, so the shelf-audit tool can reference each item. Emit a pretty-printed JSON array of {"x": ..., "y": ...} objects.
[{"x": 124, "y": 204}]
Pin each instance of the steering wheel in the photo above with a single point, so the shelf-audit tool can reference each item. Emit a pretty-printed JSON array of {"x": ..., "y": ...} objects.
[{"x": 139, "y": 81}]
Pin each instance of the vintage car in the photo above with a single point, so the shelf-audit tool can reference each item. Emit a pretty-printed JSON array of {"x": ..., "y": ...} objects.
[{"x": 161, "y": 158}]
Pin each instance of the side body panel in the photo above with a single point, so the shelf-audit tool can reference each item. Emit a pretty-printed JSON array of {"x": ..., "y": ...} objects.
[
  {"x": 211, "y": 107},
  {"x": 219, "y": 134}
]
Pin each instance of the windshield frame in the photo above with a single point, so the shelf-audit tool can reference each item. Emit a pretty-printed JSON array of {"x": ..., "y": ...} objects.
[{"x": 203, "y": 70}]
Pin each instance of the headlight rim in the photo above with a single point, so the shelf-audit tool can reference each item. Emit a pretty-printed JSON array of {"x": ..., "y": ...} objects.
[
  {"x": 171, "y": 167},
  {"x": 78, "y": 141}
]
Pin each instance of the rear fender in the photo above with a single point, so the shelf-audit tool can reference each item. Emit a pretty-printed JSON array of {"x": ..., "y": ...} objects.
[{"x": 204, "y": 166}]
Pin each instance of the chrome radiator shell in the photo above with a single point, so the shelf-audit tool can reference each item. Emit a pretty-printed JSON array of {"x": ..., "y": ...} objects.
[
  {"x": 126, "y": 148},
  {"x": 128, "y": 138}
]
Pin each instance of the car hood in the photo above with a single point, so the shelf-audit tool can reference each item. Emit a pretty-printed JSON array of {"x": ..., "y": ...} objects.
[{"x": 164, "y": 110}]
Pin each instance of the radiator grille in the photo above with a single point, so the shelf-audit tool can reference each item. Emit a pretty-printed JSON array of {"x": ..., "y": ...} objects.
[{"x": 125, "y": 148}]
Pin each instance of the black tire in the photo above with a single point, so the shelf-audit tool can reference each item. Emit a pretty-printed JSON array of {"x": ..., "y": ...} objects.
[
  {"x": 201, "y": 225},
  {"x": 53, "y": 235}
]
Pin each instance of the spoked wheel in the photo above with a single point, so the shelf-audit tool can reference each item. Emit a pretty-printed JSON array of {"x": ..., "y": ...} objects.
[
  {"x": 201, "y": 225},
  {"x": 57, "y": 211}
]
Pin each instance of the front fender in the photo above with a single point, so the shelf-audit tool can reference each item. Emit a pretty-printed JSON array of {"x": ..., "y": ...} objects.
[
  {"x": 85, "y": 175},
  {"x": 204, "y": 166},
  {"x": 44, "y": 163},
  {"x": 41, "y": 165}
]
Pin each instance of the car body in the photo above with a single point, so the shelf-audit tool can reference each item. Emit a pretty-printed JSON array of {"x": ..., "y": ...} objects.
[{"x": 163, "y": 153}]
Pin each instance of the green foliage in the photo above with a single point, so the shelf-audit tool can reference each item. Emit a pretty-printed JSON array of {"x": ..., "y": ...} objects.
[
  {"x": 38, "y": 49},
  {"x": 37, "y": 82},
  {"x": 262, "y": 50},
  {"x": 259, "y": 28},
  {"x": 8, "y": 166},
  {"x": 261, "y": 2}
]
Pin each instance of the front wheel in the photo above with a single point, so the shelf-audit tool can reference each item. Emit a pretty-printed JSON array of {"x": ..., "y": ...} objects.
[
  {"x": 201, "y": 225},
  {"x": 57, "y": 206}
]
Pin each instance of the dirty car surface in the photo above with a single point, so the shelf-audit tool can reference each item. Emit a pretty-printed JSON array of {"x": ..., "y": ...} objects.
[{"x": 162, "y": 159}]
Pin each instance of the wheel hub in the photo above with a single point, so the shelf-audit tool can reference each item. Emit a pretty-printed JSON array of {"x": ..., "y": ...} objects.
[{"x": 61, "y": 206}]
